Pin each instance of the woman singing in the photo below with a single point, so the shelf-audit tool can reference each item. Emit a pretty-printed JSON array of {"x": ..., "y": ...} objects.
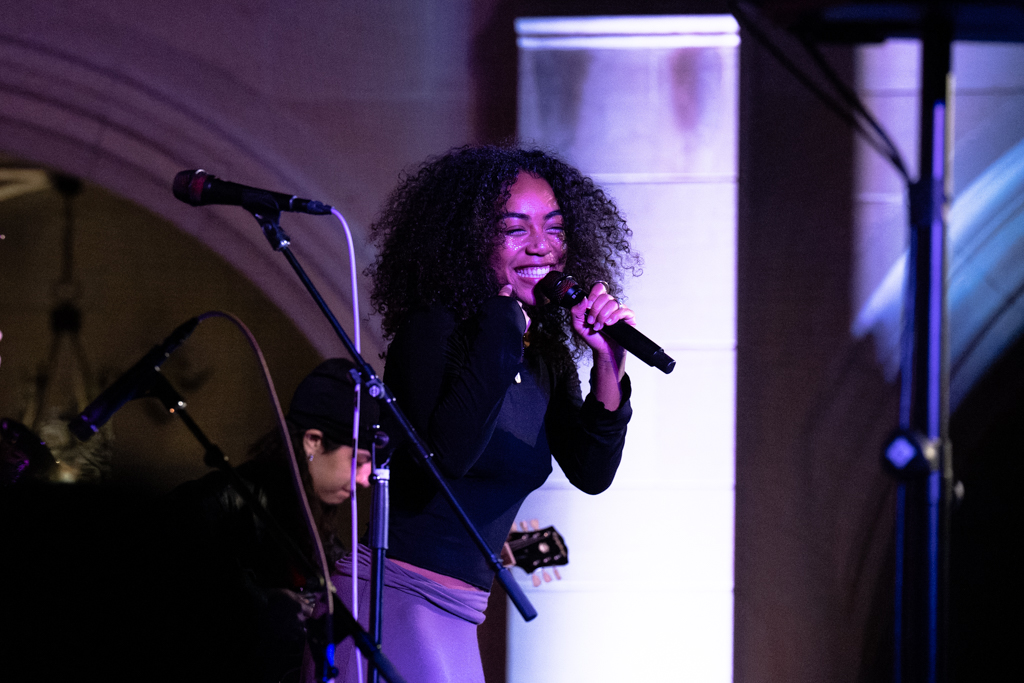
[{"x": 484, "y": 367}]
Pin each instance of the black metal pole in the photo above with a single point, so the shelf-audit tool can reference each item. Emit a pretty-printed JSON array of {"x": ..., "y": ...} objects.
[
  {"x": 378, "y": 546},
  {"x": 924, "y": 501}
]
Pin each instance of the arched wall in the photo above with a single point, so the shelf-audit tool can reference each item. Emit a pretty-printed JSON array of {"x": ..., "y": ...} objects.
[
  {"x": 329, "y": 101},
  {"x": 131, "y": 132}
]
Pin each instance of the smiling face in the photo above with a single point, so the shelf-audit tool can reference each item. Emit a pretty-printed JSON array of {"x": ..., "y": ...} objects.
[{"x": 532, "y": 237}]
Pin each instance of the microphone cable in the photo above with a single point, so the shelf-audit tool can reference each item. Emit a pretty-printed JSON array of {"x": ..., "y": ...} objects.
[{"x": 353, "y": 487}]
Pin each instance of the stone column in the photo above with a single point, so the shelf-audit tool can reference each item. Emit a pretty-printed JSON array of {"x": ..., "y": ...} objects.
[{"x": 647, "y": 106}]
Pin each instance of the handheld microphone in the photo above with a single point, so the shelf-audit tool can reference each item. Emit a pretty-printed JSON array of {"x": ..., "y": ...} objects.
[
  {"x": 566, "y": 292},
  {"x": 131, "y": 384},
  {"x": 199, "y": 188}
]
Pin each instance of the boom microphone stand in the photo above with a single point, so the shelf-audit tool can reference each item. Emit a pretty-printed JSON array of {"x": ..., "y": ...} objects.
[{"x": 269, "y": 219}]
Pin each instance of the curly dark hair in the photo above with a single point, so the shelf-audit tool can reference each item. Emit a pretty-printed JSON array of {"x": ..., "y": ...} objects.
[{"x": 439, "y": 230}]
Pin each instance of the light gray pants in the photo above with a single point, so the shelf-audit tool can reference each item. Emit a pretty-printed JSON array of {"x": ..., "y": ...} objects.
[{"x": 429, "y": 631}]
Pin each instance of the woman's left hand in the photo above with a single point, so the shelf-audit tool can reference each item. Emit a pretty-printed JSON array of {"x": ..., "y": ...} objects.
[{"x": 598, "y": 310}]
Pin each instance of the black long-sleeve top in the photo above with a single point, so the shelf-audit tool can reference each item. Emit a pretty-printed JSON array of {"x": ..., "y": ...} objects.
[{"x": 493, "y": 415}]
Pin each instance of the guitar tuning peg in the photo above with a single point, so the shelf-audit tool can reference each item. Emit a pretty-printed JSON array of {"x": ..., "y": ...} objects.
[
  {"x": 535, "y": 523},
  {"x": 536, "y": 579},
  {"x": 522, "y": 526},
  {"x": 557, "y": 575},
  {"x": 547, "y": 577}
]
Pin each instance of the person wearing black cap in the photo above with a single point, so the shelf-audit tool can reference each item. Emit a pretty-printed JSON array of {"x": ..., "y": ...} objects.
[
  {"x": 249, "y": 590},
  {"x": 316, "y": 412}
]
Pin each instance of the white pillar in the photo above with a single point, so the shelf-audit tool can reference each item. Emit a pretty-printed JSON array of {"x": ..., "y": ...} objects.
[{"x": 647, "y": 106}]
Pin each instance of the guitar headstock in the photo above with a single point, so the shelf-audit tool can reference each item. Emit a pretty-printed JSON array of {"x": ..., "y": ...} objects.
[{"x": 537, "y": 548}]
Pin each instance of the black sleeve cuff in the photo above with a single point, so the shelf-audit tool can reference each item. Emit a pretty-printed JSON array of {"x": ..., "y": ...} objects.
[{"x": 595, "y": 410}]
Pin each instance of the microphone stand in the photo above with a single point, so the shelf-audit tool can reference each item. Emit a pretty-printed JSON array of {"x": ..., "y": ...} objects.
[
  {"x": 269, "y": 220},
  {"x": 379, "y": 511}
]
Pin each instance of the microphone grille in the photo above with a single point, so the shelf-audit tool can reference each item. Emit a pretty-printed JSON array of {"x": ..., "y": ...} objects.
[
  {"x": 561, "y": 289},
  {"x": 188, "y": 186}
]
